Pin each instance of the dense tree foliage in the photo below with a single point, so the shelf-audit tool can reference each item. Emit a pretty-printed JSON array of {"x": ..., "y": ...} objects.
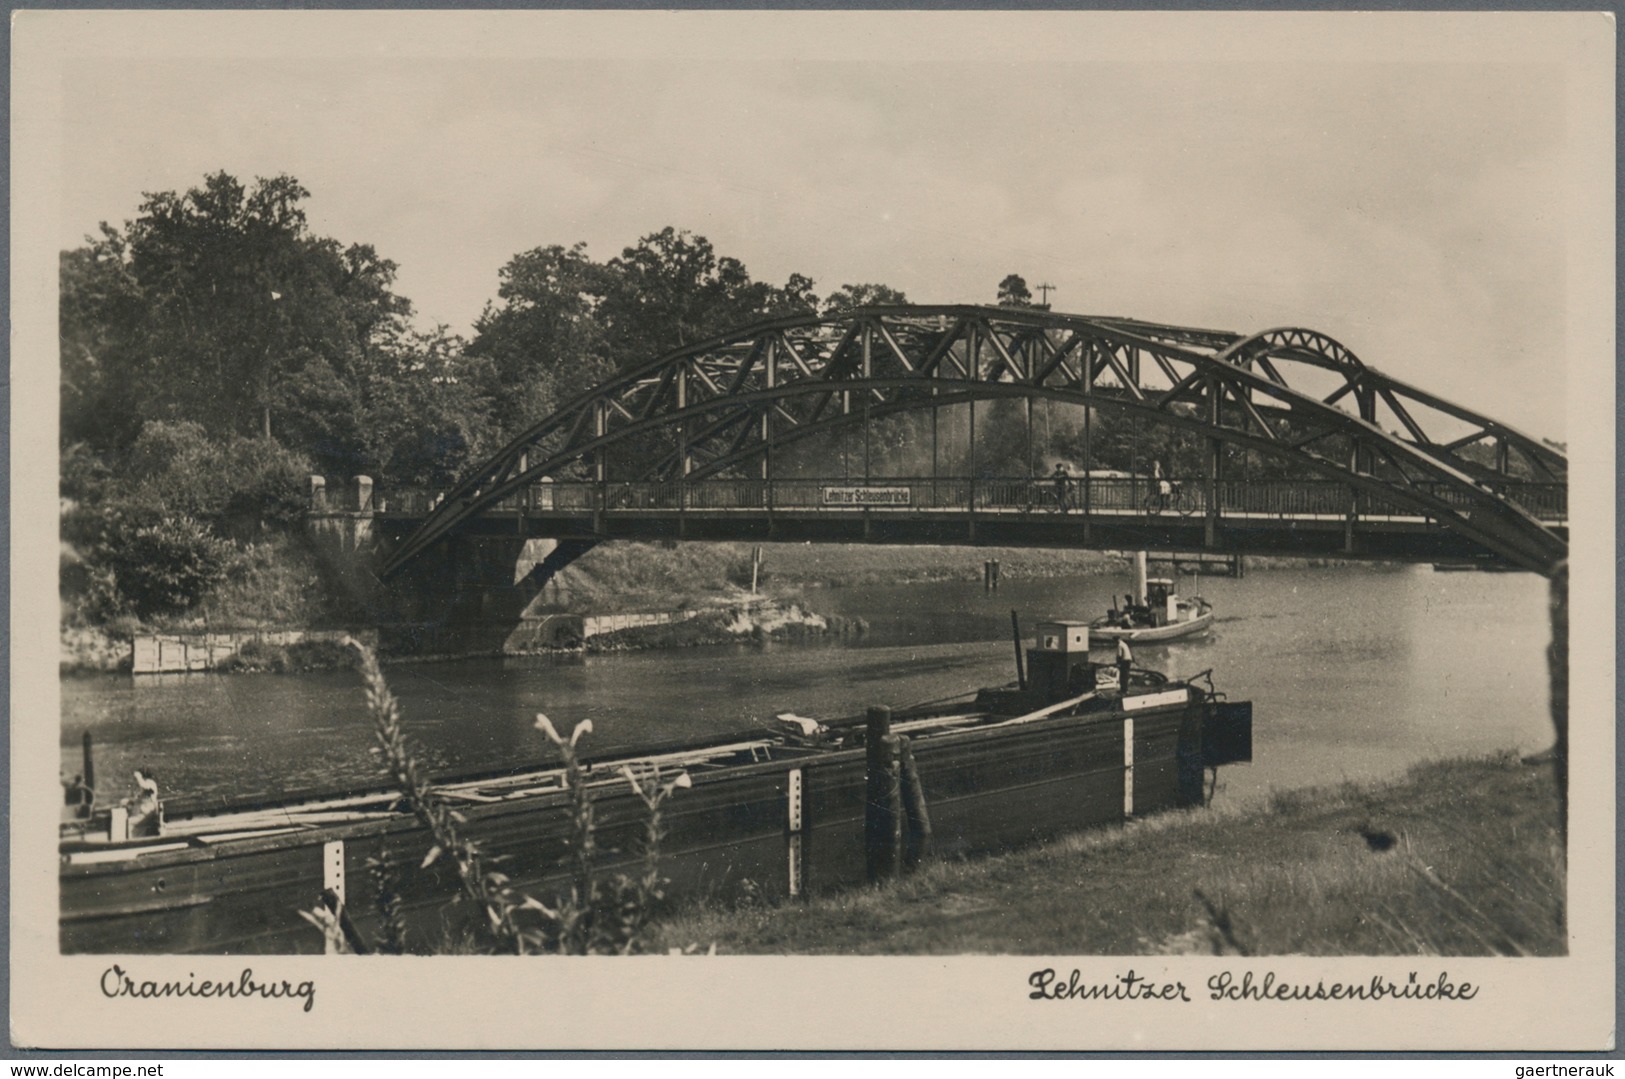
[
  {"x": 848, "y": 297},
  {"x": 565, "y": 322},
  {"x": 215, "y": 351},
  {"x": 219, "y": 307}
]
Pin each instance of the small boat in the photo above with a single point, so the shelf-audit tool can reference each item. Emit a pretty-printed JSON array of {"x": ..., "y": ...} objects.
[
  {"x": 1165, "y": 617},
  {"x": 783, "y": 807},
  {"x": 1153, "y": 612}
]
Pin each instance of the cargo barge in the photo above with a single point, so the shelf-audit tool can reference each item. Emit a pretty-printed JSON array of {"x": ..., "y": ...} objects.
[{"x": 786, "y": 812}]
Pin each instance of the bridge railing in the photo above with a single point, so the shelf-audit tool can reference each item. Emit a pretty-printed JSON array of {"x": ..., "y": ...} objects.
[{"x": 1096, "y": 495}]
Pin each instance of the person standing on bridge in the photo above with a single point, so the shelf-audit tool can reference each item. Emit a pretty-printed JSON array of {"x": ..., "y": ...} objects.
[{"x": 1063, "y": 481}]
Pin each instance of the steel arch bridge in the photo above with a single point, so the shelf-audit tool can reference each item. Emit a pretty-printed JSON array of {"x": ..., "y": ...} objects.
[{"x": 725, "y": 408}]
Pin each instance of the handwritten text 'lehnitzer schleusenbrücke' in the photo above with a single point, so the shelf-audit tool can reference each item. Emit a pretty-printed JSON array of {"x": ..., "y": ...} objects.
[{"x": 1227, "y": 986}]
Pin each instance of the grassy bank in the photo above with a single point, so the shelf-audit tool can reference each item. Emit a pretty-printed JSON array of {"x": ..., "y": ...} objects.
[
  {"x": 622, "y": 577},
  {"x": 628, "y": 576},
  {"x": 1457, "y": 858}
]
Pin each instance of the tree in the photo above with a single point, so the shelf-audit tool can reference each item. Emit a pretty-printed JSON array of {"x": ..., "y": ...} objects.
[
  {"x": 849, "y": 297},
  {"x": 217, "y": 306},
  {"x": 672, "y": 290},
  {"x": 545, "y": 343},
  {"x": 426, "y": 410},
  {"x": 566, "y": 322},
  {"x": 1013, "y": 292},
  {"x": 100, "y": 303}
]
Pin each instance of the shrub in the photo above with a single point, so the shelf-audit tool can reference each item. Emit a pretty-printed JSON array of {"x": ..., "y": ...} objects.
[
  {"x": 170, "y": 564},
  {"x": 242, "y": 482},
  {"x": 282, "y": 658},
  {"x": 266, "y": 483},
  {"x": 137, "y": 559}
]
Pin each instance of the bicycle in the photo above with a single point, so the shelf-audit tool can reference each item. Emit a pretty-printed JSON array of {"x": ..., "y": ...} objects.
[{"x": 1175, "y": 501}]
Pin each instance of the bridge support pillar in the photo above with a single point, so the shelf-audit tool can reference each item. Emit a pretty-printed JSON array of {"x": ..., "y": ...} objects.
[
  {"x": 482, "y": 595},
  {"x": 340, "y": 525}
]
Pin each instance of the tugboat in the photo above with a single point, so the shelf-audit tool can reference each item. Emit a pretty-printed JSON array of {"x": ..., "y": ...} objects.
[{"x": 1153, "y": 613}]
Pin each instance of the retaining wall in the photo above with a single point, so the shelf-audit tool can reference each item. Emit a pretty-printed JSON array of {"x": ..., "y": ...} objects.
[
  {"x": 593, "y": 625},
  {"x": 158, "y": 653}
]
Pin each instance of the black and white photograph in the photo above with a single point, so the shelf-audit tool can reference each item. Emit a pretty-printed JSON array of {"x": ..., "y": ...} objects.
[{"x": 812, "y": 530}]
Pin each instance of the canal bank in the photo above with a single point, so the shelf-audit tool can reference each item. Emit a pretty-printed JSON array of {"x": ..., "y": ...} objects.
[
  {"x": 632, "y": 586},
  {"x": 291, "y": 650},
  {"x": 1456, "y": 857}
]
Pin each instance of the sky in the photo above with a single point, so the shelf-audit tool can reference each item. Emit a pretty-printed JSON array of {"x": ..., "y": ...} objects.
[{"x": 1408, "y": 202}]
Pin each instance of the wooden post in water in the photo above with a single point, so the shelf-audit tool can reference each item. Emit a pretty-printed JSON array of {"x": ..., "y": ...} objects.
[
  {"x": 1015, "y": 631},
  {"x": 90, "y": 771},
  {"x": 883, "y": 799}
]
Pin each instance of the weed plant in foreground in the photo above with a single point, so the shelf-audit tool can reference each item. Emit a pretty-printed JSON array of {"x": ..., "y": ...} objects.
[
  {"x": 1459, "y": 857},
  {"x": 595, "y": 916}
]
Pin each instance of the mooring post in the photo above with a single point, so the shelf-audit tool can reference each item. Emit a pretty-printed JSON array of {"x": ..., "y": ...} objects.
[
  {"x": 883, "y": 801},
  {"x": 895, "y": 817},
  {"x": 918, "y": 846},
  {"x": 1015, "y": 632},
  {"x": 90, "y": 771}
]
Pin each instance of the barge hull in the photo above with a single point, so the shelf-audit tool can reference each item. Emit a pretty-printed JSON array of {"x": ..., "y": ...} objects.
[{"x": 987, "y": 788}]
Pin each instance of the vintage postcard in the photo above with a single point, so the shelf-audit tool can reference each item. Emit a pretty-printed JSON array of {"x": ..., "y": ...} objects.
[{"x": 812, "y": 530}]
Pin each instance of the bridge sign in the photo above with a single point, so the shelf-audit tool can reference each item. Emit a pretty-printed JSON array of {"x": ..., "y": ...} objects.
[{"x": 867, "y": 496}]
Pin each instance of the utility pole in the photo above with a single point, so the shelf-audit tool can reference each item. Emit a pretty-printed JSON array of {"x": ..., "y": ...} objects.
[{"x": 1045, "y": 290}]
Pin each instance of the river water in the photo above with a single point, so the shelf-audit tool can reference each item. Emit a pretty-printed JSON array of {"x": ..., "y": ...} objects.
[{"x": 1354, "y": 673}]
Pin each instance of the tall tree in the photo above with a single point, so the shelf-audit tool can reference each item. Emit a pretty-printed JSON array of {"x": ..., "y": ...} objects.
[
  {"x": 1013, "y": 292},
  {"x": 672, "y": 289},
  {"x": 425, "y": 412},
  {"x": 545, "y": 342},
  {"x": 218, "y": 306}
]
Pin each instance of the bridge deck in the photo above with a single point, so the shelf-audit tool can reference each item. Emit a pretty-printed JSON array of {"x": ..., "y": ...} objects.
[{"x": 1280, "y": 519}]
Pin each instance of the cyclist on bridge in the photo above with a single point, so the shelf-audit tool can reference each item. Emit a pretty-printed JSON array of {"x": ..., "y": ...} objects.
[{"x": 1063, "y": 481}]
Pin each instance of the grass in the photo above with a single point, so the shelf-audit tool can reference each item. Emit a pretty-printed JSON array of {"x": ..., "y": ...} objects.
[
  {"x": 629, "y": 576},
  {"x": 619, "y": 577},
  {"x": 1471, "y": 865},
  {"x": 848, "y": 565}
]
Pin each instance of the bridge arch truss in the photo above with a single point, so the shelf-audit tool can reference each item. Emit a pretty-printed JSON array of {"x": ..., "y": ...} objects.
[{"x": 727, "y": 406}]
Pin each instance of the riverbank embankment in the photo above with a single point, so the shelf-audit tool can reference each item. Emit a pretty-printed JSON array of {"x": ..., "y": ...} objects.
[
  {"x": 630, "y": 578},
  {"x": 1458, "y": 857}
]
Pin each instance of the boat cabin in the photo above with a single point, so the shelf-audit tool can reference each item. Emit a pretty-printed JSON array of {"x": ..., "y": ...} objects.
[
  {"x": 1162, "y": 603},
  {"x": 1058, "y": 664}
]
